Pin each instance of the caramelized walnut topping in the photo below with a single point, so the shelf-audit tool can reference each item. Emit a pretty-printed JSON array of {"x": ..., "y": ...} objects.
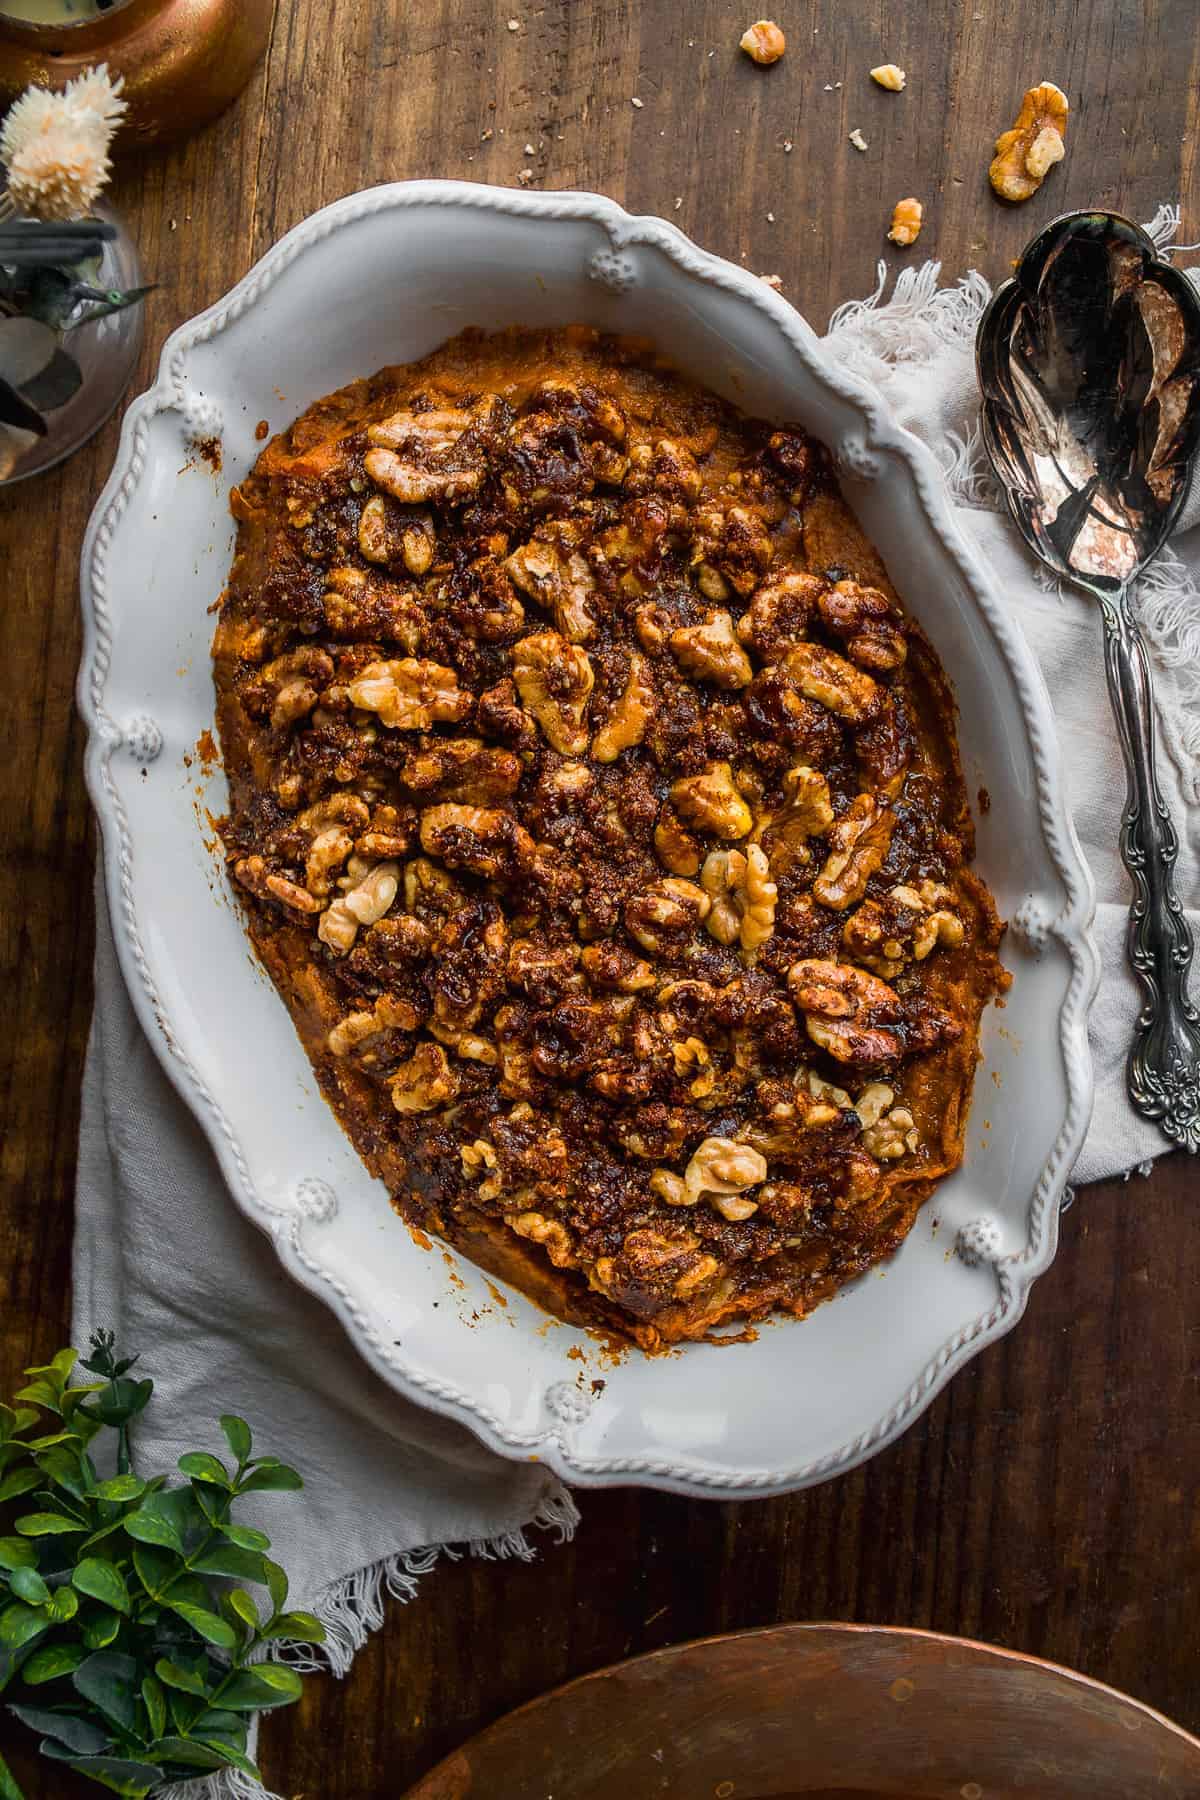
[{"x": 547, "y": 684}]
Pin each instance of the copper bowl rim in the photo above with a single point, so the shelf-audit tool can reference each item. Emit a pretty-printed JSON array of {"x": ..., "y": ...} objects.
[{"x": 427, "y": 1785}]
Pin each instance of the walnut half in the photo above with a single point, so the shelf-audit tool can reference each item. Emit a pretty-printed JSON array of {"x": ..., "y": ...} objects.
[{"x": 1035, "y": 143}]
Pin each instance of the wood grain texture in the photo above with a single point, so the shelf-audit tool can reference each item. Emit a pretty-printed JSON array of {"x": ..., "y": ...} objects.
[{"x": 1048, "y": 1501}]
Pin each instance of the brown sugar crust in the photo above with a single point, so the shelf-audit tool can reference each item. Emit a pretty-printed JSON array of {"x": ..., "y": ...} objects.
[{"x": 597, "y": 812}]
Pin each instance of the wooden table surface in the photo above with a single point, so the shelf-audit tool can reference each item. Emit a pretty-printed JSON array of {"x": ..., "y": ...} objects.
[{"x": 1049, "y": 1499}]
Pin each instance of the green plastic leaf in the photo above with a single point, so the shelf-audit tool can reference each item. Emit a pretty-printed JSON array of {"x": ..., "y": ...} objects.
[
  {"x": 260, "y": 1687},
  {"x": 271, "y": 1478},
  {"x": 102, "y": 1581},
  {"x": 28, "y": 1585},
  {"x": 16, "y": 1553},
  {"x": 77, "y": 1734},
  {"x": 237, "y": 1435},
  {"x": 150, "y": 1525},
  {"x": 40, "y": 1393},
  {"x": 21, "y": 1481},
  {"x": 8, "y": 1785},
  {"x": 118, "y": 1401},
  {"x": 62, "y": 1463},
  {"x": 246, "y": 1537},
  {"x": 120, "y": 1487},
  {"x": 51, "y": 1662},
  {"x": 62, "y": 1605},
  {"x": 277, "y": 1583},
  {"x": 100, "y": 1627},
  {"x": 209, "y": 1626},
  {"x": 301, "y": 1626},
  {"x": 188, "y": 1681},
  {"x": 156, "y": 1706},
  {"x": 242, "y": 1606},
  {"x": 231, "y": 1560},
  {"x": 203, "y": 1467},
  {"x": 133, "y": 1779},
  {"x": 108, "y": 1678},
  {"x": 47, "y": 1524},
  {"x": 19, "y": 1624},
  {"x": 98, "y": 1537},
  {"x": 154, "y": 1567},
  {"x": 183, "y": 1750}
]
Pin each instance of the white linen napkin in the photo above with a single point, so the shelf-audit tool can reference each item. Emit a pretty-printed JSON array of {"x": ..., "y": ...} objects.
[{"x": 164, "y": 1258}]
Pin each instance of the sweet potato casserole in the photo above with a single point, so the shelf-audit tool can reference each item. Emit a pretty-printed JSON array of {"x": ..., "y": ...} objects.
[{"x": 597, "y": 812}]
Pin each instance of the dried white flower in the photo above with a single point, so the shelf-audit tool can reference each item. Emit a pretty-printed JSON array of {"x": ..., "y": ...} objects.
[{"x": 55, "y": 146}]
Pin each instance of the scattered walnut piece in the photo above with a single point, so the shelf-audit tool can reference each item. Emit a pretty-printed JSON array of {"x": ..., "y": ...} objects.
[
  {"x": 763, "y": 42},
  {"x": 554, "y": 679},
  {"x": 743, "y": 897},
  {"x": 857, "y": 139},
  {"x": 710, "y": 802},
  {"x": 1025, "y": 154},
  {"x": 906, "y": 222},
  {"x": 424, "y": 1082},
  {"x": 890, "y": 76},
  {"x": 410, "y": 694},
  {"x": 626, "y": 723}
]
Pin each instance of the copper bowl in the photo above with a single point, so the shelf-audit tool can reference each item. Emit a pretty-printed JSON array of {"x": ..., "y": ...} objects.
[
  {"x": 183, "y": 61},
  {"x": 855, "y": 1712}
]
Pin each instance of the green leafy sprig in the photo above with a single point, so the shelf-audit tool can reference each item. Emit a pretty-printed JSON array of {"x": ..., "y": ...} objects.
[{"x": 128, "y": 1632}]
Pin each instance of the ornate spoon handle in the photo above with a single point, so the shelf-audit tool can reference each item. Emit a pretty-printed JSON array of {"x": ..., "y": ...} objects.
[{"x": 1163, "y": 1074}]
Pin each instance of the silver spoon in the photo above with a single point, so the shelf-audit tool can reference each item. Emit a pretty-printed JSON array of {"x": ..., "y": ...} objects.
[{"x": 1089, "y": 363}]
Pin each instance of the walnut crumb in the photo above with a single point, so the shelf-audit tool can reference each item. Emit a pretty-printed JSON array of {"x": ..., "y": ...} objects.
[
  {"x": 763, "y": 42},
  {"x": 857, "y": 139},
  {"x": 906, "y": 222},
  {"x": 890, "y": 76}
]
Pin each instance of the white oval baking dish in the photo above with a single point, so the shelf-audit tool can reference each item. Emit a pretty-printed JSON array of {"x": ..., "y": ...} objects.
[{"x": 384, "y": 276}]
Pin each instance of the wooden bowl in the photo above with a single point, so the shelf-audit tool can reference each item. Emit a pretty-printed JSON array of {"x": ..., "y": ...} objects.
[{"x": 852, "y": 1711}]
